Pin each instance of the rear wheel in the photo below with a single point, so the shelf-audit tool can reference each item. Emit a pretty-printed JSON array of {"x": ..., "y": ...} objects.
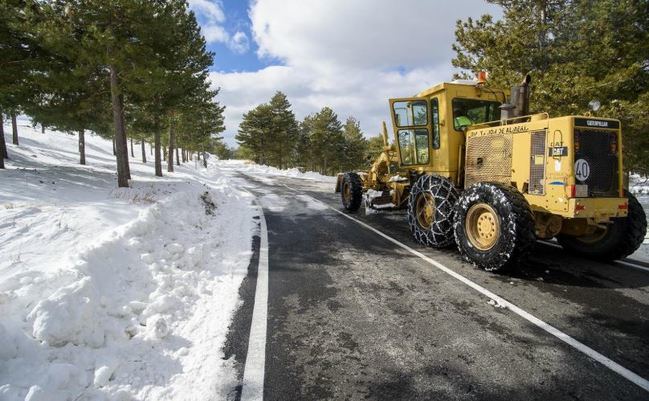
[
  {"x": 352, "y": 191},
  {"x": 431, "y": 205},
  {"x": 494, "y": 226},
  {"x": 612, "y": 241}
]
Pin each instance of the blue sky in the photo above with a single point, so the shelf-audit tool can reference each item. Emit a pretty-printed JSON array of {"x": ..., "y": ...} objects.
[
  {"x": 348, "y": 55},
  {"x": 226, "y": 60}
]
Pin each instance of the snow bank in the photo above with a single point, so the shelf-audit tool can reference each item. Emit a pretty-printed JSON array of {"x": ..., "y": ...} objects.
[
  {"x": 639, "y": 186},
  {"x": 260, "y": 170},
  {"x": 116, "y": 294}
]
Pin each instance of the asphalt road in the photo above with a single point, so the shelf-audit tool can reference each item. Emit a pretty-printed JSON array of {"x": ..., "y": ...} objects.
[{"x": 353, "y": 316}]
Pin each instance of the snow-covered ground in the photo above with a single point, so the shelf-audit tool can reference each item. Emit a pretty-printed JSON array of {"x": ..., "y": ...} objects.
[
  {"x": 265, "y": 173},
  {"x": 116, "y": 294},
  {"x": 639, "y": 186},
  {"x": 124, "y": 294}
]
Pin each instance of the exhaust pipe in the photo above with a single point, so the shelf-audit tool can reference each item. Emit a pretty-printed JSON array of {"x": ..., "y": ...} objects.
[{"x": 519, "y": 102}]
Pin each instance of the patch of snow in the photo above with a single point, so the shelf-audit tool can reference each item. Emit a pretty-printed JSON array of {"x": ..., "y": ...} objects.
[
  {"x": 639, "y": 186},
  {"x": 312, "y": 203},
  {"x": 262, "y": 172},
  {"x": 120, "y": 294}
]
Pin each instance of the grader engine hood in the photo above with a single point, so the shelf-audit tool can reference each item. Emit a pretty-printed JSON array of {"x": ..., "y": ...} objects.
[{"x": 571, "y": 166}]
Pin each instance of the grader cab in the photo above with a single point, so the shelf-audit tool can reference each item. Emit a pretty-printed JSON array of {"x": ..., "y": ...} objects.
[{"x": 474, "y": 169}]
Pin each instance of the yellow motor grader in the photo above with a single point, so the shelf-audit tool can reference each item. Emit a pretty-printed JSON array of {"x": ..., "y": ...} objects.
[{"x": 477, "y": 170}]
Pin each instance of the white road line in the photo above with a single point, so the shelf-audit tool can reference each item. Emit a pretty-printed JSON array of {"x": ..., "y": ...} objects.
[
  {"x": 614, "y": 366},
  {"x": 621, "y": 262},
  {"x": 632, "y": 265},
  {"x": 253, "y": 372}
]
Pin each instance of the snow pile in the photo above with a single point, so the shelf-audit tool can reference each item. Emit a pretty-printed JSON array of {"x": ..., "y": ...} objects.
[
  {"x": 116, "y": 294},
  {"x": 257, "y": 170},
  {"x": 639, "y": 186}
]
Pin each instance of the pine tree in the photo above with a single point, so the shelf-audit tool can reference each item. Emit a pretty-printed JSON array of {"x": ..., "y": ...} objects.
[
  {"x": 576, "y": 50},
  {"x": 374, "y": 147},
  {"x": 326, "y": 139},
  {"x": 283, "y": 132},
  {"x": 355, "y": 146},
  {"x": 254, "y": 133},
  {"x": 19, "y": 52}
]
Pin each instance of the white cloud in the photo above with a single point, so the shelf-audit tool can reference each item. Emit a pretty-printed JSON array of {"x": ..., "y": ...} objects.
[
  {"x": 215, "y": 33},
  {"x": 211, "y": 11},
  {"x": 346, "y": 55},
  {"x": 210, "y": 16},
  {"x": 239, "y": 43}
]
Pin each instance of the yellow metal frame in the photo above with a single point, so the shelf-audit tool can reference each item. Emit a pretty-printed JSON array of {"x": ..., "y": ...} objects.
[{"x": 451, "y": 159}]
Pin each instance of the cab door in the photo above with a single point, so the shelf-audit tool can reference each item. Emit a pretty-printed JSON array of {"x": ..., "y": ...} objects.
[{"x": 412, "y": 122}]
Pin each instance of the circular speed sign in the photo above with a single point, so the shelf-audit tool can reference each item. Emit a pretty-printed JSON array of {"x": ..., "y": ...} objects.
[{"x": 582, "y": 170}]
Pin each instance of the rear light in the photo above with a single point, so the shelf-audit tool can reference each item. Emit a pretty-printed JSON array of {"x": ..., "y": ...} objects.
[
  {"x": 576, "y": 142},
  {"x": 623, "y": 206},
  {"x": 613, "y": 144},
  {"x": 578, "y": 191},
  {"x": 579, "y": 207}
]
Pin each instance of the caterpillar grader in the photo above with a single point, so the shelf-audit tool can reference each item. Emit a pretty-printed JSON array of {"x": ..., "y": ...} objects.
[{"x": 476, "y": 170}]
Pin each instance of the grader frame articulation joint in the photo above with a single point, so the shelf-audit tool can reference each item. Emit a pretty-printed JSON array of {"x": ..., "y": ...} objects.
[{"x": 479, "y": 172}]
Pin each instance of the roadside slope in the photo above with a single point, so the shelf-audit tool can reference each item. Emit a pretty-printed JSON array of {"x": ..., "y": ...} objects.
[{"x": 116, "y": 293}]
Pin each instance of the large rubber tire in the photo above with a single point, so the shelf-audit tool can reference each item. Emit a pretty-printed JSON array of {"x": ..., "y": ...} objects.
[
  {"x": 438, "y": 232},
  {"x": 351, "y": 192},
  {"x": 513, "y": 238},
  {"x": 623, "y": 237}
]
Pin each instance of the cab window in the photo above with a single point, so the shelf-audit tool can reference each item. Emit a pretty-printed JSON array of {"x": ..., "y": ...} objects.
[
  {"x": 410, "y": 113},
  {"x": 413, "y": 146},
  {"x": 434, "y": 108},
  {"x": 472, "y": 111}
]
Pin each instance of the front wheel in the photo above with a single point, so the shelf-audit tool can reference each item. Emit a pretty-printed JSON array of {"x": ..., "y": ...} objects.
[
  {"x": 494, "y": 226},
  {"x": 616, "y": 240},
  {"x": 431, "y": 205}
]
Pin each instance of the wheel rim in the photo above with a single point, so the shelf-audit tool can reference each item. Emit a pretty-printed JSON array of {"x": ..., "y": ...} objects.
[
  {"x": 482, "y": 226},
  {"x": 347, "y": 192},
  {"x": 425, "y": 210}
]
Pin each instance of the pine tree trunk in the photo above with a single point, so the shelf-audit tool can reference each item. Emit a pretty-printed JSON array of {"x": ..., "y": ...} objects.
[
  {"x": 82, "y": 147},
  {"x": 14, "y": 129},
  {"x": 164, "y": 153},
  {"x": 177, "y": 158},
  {"x": 114, "y": 150},
  {"x": 132, "y": 153},
  {"x": 158, "y": 156},
  {"x": 3, "y": 145},
  {"x": 172, "y": 138},
  {"x": 121, "y": 150},
  {"x": 125, "y": 140},
  {"x": 151, "y": 148},
  {"x": 143, "y": 152},
  {"x": 42, "y": 129},
  {"x": 204, "y": 160}
]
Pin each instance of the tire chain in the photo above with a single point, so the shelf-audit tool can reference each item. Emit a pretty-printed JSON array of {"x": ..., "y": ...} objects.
[{"x": 440, "y": 234}]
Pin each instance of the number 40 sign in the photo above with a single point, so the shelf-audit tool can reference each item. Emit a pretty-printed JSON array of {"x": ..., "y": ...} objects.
[{"x": 582, "y": 170}]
